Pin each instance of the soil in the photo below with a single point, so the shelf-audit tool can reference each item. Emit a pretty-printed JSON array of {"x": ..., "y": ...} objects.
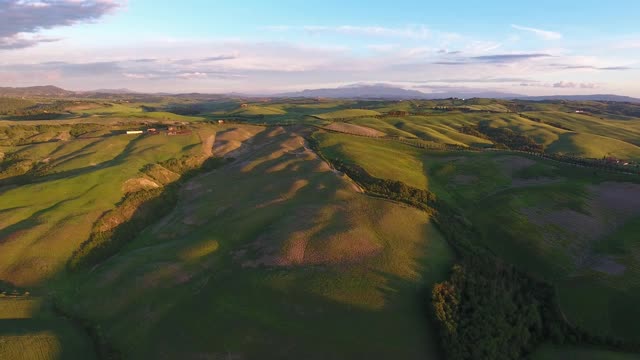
[{"x": 137, "y": 184}]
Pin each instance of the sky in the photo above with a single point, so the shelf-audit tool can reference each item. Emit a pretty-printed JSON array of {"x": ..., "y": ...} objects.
[{"x": 259, "y": 47}]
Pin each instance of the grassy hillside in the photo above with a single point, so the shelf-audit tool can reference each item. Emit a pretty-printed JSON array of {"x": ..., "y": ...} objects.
[
  {"x": 263, "y": 247},
  {"x": 568, "y": 225},
  {"x": 274, "y": 254},
  {"x": 85, "y": 178},
  {"x": 347, "y": 113},
  {"x": 259, "y": 250}
]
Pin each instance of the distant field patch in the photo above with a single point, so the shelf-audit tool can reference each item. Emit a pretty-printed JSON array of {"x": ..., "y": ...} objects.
[
  {"x": 349, "y": 113},
  {"x": 354, "y": 129}
]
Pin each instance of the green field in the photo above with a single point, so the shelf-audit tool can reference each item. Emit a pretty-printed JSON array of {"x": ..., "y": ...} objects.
[
  {"x": 249, "y": 263},
  {"x": 30, "y": 330},
  {"x": 564, "y": 224},
  {"x": 261, "y": 272}
]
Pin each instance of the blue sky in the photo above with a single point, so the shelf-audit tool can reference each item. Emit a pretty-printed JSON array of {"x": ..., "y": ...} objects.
[{"x": 525, "y": 47}]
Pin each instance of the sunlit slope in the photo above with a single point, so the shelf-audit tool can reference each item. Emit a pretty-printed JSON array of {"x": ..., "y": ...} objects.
[
  {"x": 559, "y": 132},
  {"x": 274, "y": 248},
  {"x": 29, "y": 330},
  {"x": 43, "y": 222}
]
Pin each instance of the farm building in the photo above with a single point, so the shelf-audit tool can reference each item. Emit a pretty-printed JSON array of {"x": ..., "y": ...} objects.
[{"x": 220, "y": 121}]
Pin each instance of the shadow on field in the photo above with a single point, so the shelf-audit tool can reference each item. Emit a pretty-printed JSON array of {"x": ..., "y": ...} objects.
[
  {"x": 224, "y": 310},
  {"x": 34, "y": 179},
  {"x": 35, "y": 219},
  {"x": 34, "y": 330}
]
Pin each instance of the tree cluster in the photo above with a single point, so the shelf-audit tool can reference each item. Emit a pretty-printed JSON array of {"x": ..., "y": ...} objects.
[{"x": 503, "y": 137}]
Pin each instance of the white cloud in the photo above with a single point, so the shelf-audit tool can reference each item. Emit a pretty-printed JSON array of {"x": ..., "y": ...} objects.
[
  {"x": 573, "y": 85},
  {"x": 543, "y": 34},
  {"x": 192, "y": 75}
]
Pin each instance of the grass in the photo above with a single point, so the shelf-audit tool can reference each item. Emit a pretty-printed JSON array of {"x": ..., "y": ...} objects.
[
  {"x": 225, "y": 263},
  {"x": 86, "y": 179},
  {"x": 29, "y": 330},
  {"x": 383, "y": 159},
  {"x": 228, "y": 250},
  {"x": 550, "y": 352},
  {"x": 347, "y": 113},
  {"x": 276, "y": 249}
]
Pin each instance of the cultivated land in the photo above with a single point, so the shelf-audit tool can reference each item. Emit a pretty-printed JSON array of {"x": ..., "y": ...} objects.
[{"x": 253, "y": 246}]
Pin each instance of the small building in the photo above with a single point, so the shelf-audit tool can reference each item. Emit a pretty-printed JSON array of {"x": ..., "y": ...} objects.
[
  {"x": 134, "y": 132},
  {"x": 221, "y": 121},
  {"x": 244, "y": 106}
]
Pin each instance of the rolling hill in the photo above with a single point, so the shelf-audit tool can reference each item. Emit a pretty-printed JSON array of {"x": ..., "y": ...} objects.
[{"x": 317, "y": 228}]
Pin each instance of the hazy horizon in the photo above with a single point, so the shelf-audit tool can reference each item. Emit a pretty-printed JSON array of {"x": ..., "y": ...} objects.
[{"x": 529, "y": 48}]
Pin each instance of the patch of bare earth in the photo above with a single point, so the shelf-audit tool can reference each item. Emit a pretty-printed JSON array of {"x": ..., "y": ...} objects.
[
  {"x": 230, "y": 143},
  {"x": 63, "y": 136},
  {"x": 354, "y": 129},
  {"x": 137, "y": 184},
  {"x": 207, "y": 145},
  {"x": 161, "y": 175},
  {"x": 610, "y": 206}
]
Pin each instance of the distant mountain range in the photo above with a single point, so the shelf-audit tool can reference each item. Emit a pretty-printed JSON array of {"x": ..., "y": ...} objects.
[
  {"x": 112, "y": 91},
  {"x": 396, "y": 93},
  {"x": 595, "y": 97},
  {"x": 387, "y": 92},
  {"x": 359, "y": 92},
  {"x": 356, "y": 91},
  {"x": 35, "y": 91}
]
